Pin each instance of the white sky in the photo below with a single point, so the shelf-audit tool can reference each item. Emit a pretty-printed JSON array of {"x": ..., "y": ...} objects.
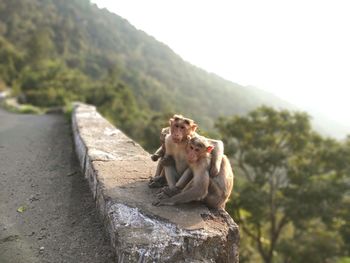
[{"x": 296, "y": 49}]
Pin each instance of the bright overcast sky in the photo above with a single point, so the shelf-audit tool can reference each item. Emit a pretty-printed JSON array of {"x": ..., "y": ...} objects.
[{"x": 298, "y": 50}]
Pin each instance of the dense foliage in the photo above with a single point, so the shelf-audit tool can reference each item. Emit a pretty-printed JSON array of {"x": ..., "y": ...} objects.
[
  {"x": 53, "y": 52},
  {"x": 292, "y": 197}
]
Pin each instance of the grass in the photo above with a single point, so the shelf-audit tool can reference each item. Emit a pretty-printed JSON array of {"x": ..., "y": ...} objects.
[
  {"x": 344, "y": 260},
  {"x": 11, "y": 105}
]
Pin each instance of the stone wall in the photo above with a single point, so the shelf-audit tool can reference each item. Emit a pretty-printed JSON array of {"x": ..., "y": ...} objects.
[{"x": 118, "y": 170}]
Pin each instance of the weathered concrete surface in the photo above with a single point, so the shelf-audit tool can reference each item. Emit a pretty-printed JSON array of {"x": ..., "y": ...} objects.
[{"x": 118, "y": 170}]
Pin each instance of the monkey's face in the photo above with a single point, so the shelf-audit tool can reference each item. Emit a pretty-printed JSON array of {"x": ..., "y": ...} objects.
[
  {"x": 163, "y": 134},
  {"x": 181, "y": 128},
  {"x": 196, "y": 149}
]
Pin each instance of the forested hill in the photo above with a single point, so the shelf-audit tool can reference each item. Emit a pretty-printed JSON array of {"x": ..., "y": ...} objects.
[{"x": 56, "y": 51}]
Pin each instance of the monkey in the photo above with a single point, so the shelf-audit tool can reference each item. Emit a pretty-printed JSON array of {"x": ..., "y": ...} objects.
[
  {"x": 161, "y": 150},
  {"x": 181, "y": 130},
  {"x": 213, "y": 191},
  {"x": 197, "y": 188},
  {"x": 159, "y": 179}
]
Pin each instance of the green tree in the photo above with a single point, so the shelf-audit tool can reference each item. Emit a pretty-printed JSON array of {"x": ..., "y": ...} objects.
[
  {"x": 52, "y": 83},
  {"x": 10, "y": 61},
  {"x": 116, "y": 102},
  {"x": 290, "y": 176},
  {"x": 40, "y": 46}
]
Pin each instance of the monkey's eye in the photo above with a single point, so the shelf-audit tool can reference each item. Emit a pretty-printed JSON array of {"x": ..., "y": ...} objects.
[
  {"x": 191, "y": 147},
  {"x": 182, "y": 127},
  {"x": 177, "y": 125},
  {"x": 197, "y": 150}
]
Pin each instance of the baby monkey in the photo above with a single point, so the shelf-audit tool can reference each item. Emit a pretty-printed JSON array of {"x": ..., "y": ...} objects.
[
  {"x": 214, "y": 192},
  {"x": 161, "y": 150},
  {"x": 159, "y": 179}
]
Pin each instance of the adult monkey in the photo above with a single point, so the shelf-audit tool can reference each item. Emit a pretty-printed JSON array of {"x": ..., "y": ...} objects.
[
  {"x": 214, "y": 192},
  {"x": 181, "y": 130}
]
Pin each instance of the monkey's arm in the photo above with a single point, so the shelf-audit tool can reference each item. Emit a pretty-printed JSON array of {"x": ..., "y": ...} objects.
[
  {"x": 181, "y": 184},
  {"x": 171, "y": 175},
  {"x": 159, "y": 153},
  {"x": 196, "y": 192},
  {"x": 216, "y": 157},
  {"x": 184, "y": 179}
]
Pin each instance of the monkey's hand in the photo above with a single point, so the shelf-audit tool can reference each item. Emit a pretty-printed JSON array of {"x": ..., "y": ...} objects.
[
  {"x": 162, "y": 195},
  {"x": 162, "y": 202},
  {"x": 156, "y": 203},
  {"x": 171, "y": 191},
  {"x": 155, "y": 157},
  {"x": 155, "y": 182},
  {"x": 155, "y": 178},
  {"x": 167, "y": 161}
]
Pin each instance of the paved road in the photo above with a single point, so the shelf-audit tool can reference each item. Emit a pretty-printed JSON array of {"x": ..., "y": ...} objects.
[{"x": 39, "y": 174}]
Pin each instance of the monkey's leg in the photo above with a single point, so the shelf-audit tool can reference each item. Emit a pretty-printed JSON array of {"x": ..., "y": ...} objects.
[
  {"x": 168, "y": 192},
  {"x": 171, "y": 175},
  {"x": 216, "y": 196},
  {"x": 159, "y": 169},
  {"x": 214, "y": 188},
  {"x": 181, "y": 184},
  {"x": 170, "y": 172},
  {"x": 213, "y": 201}
]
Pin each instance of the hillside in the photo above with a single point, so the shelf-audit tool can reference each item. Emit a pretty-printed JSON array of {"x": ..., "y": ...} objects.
[
  {"x": 53, "y": 52},
  {"x": 95, "y": 41}
]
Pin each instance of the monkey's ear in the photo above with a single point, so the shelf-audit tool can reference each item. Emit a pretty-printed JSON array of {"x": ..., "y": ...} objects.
[
  {"x": 171, "y": 120},
  {"x": 210, "y": 148},
  {"x": 194, "y": 127}
]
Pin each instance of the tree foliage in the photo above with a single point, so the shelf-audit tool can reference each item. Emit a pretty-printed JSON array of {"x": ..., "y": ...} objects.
[
  {"x": 293, "y": 185},
  {"x": 93, "y": 42}
]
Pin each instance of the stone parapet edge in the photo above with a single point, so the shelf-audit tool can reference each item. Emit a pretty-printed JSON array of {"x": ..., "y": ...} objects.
[{"x": 109, "y": 210}]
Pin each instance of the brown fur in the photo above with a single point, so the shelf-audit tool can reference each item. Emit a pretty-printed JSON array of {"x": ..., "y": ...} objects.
[{"x": 215, "y": 191}]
